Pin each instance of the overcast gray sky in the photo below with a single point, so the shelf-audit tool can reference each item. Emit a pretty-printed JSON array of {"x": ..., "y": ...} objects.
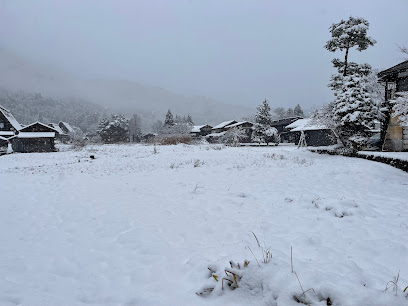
[{"x": 236, "y": 51}]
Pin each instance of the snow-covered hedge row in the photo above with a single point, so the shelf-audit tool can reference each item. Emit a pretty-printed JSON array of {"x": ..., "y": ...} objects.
[{"x": 394, "y": 162}]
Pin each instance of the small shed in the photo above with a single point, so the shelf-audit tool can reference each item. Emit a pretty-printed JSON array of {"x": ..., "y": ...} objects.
[
  {"x": 201, "y": 130},
  {"x": 314, "y": 135},
  {"x": 27, "y": 142}
]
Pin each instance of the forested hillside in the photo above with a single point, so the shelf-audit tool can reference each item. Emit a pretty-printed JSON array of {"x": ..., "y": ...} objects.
[{"x": 30, "y": 107}]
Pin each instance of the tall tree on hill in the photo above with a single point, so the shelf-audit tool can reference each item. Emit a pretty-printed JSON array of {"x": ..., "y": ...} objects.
[
  {"x": 298, "y": 111},
  {"x": 348, "y": 34},
  {"x": 263, "y": 130}
]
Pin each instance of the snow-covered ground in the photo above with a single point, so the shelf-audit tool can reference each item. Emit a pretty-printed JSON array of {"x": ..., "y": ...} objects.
[{"x": 141, "y": 226}]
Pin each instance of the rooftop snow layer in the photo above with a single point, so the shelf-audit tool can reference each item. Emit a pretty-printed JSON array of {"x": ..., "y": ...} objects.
[
  {"x": 10, "y": 118},
  {"x": 197, "y": 128},
  {"x": 35, "y": 135},
  {"x": 223, "y": 124},
  {"x": 305, "y": 125}
]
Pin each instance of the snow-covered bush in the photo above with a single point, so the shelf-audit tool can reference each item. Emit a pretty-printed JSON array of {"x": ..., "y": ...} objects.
[
  {"x": 114, "y": 130},
  {"x": 233, "y": 136}
]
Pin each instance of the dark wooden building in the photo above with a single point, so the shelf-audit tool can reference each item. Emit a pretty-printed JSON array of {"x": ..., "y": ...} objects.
[
  {"x": 247, "y": 126},
  {"x": 8, "y": 124},
  {"x": 36, "y": 137},
  {"x": 315, "y": 135},
  {"x": 395, "y": 79},
  {"x": 201, "y": 130},
  {"x": 60, "y": 135}
]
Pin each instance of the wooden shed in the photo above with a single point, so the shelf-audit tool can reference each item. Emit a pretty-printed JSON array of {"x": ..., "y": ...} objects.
[
  {"x": 27, "y": 142},
  {"x": 201, "y": 130}
]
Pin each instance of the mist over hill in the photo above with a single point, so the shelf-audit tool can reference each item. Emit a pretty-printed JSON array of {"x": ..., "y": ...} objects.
[{"x": 103, "y": 96}]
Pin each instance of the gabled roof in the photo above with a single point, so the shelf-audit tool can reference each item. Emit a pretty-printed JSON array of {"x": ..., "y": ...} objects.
[
  {"x": 224, "y": 124},
  {"x": 305, "y": 125},
  {"x": 38, "y": 122},
  {"x": 2, "y": 138},
  {"x": 197, "y": 128},
  {"x": 10, "y": 118},
  {"x": 237, "y": 124},
  {"x": 286, "y": 121},
  {"x": 397, "y": 68},
  {"x": 56, "y": 127},
  {"x": 68, "y": 127},
  {"x": 6, "y": 133}
]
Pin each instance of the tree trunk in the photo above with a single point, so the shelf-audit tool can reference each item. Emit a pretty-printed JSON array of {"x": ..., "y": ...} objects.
[{"x": 345, "y": 62}]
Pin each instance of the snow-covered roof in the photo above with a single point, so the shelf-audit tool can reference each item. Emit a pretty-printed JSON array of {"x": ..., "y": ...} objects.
[
  {"x": 56, "y": 127},
  {"x": 10, "y": 118},
  {"x": 236, "y": 124},
  {"x": 197, "y": 128},
  {"x": 40, "y": 123},
  {"x": 35, "y": 135},
  {"x": 2, "y": 138},
  {"x": 305, "y": 125},
  {"x": 223, "y": 124},
  {"x": 69, "y": 128},
  {"x": 6, "y": 133}
]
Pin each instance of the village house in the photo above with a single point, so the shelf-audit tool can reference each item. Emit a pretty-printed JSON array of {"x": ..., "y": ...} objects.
[
  {"x": 395, "y": 79},
  {"x": 60, "y": 135},
  {"x": 244, "y": 125},
  {"x": 201, "y": 130},
  {"x": 35, "y": 137},
  {"x": 281, "y": 126}
]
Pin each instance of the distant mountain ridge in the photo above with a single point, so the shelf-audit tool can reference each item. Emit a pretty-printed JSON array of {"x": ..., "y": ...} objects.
[{"x": 118, "y": 95}]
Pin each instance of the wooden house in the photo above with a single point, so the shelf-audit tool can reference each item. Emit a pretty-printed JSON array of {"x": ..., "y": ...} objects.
[
  {"x": 222, "y": 126},
  {"x": 395, "y": 79},
  {"x": 60, "y": 135},
  {"x": 35, "y": 137},
  {"x": 313, "y": 135},
  {"x": 281, "y": 126},
  {"x": 201, "y": 130},
  {"x": 8, "y": 124}
]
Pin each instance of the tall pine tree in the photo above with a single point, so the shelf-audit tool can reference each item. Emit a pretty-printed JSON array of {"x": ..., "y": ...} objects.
[{"x": 263, "y": 130}]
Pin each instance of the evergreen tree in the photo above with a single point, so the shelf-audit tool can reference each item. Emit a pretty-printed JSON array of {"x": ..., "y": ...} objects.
[
  {"x": 298, "y": 111},
  {"x": 169, "y": 121},
  {"x": 290, "y": 112},
  {"x": 355, "y": 109},
  {"x": 263, "y": 130},
  {"x": 280, "y": 112},
  {"x": 348, "y": 34}
]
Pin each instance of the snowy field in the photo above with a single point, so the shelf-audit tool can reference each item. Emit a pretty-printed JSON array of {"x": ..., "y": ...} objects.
[{"x": 139, "y": 226}]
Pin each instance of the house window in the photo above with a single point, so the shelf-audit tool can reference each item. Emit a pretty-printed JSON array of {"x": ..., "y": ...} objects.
[{"x": 1, "y": 125}]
